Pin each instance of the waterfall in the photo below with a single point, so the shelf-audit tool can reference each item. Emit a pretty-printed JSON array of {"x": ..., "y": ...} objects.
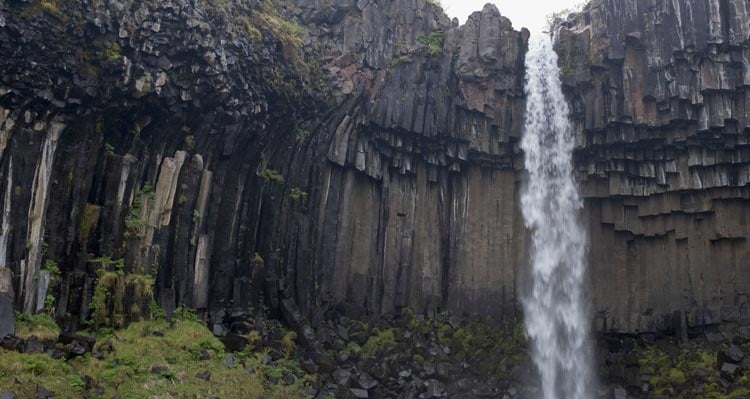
[{"x": 555, "y": 315}]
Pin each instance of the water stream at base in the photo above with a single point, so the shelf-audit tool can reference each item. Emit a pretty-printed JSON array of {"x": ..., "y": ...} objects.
[{"x": 554, "y": 310}]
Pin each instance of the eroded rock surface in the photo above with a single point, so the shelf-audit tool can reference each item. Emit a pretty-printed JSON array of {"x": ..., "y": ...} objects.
[
  {"x": 659, "y": 94},
  {"x": 327, "y": 151}
]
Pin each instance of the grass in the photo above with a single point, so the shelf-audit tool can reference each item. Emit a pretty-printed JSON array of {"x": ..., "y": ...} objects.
[
  {"x": 152, "y": 358},
  {"x": 40, "y": 326}
]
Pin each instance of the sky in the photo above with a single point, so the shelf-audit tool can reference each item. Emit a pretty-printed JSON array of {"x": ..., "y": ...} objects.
[{"x": 523, "y": 13}]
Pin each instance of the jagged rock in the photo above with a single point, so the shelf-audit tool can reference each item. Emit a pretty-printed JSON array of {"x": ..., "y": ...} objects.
[
  {"x": 732, "y": 354},
  {"x": 33, "y": 346},
  {"x": 11, "y": 342},
  {"x": 359, "y": 393},
  {"x": 342, "y": 377},
  {"x": 7, "y": 315},
  {"x": 43, "y": 393},
  {"x": 434, "y": 389},
  {"x": 219, "y": 330},
  {"x": 729, "y": 370},
  {"x": 204, "y": 375}
]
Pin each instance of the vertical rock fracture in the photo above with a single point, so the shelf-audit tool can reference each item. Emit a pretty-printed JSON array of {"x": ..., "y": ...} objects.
[{"x": 555, "y": 314}]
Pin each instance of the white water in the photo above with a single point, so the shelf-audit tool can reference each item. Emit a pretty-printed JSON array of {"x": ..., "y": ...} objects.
[{"x": 555, "y": 314}]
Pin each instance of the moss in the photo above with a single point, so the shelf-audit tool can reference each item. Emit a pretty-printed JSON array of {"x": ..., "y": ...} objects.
[
  {"x": 302, "y": 135},
  {"x": 126, "y": 370},
  {"x": 190, "y": 142},
  {"x": 89, "y": 219},
  {"x": 112, "y": 53},
  {"x": 379, "y": 342},
  {"x": 288, "y": 342},
  {"x": 404, "y": 59},
  {"x": 135, "y": 224},
  {"x": 297, "y": 194},
  {"x": 270, "y": 175},
  {"x": 41, "y": 326},
  {"x": 108, "y": 301},
  {"x": 253, "y": 33}
]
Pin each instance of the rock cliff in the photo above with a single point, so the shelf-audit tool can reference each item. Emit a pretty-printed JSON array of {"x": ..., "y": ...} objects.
[
  {"x": 322, "y": 151},
  {"x": 325, "y": 151},
  {"x": 659, "y": 94}
]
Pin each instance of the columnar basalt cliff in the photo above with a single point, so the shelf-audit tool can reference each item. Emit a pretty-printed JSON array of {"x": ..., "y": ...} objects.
[
  {"x": 363, "y": 153},
  {"x": 659, "y": 92},
  {"x": 323, "y": 151}
]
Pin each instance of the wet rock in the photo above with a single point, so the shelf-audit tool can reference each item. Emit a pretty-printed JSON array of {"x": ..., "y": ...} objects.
[
  {"x": 342, "y": 377},
  {"x": 434, "y": 388},
  {"x": 7, "y": 314},
  {"x": 219, "y": 330},
  {"x": 729, "y": 370},
  {"x": 365, "y": 381},
  {"x": 43, "y": 393},
  {"x": 33, "y": 346},
  {"x": 732, "y": 354},
  {"x": 288, "y": 378},
  {"x": 11, "y": 342},
  {"x": 204, "y": 375}
]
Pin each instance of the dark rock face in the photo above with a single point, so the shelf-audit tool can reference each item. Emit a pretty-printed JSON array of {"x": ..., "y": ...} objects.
[
  {"x": 181, "y": 143},
  {"x": 659, "y": 92},
  {"x": 364, "y": 152}
]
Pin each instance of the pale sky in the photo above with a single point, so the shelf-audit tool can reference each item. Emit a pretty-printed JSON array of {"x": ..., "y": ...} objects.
[{"x": 523, "y": 13}]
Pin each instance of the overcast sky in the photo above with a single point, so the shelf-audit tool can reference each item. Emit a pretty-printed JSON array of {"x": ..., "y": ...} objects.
[{"x": 523, "y": 13}]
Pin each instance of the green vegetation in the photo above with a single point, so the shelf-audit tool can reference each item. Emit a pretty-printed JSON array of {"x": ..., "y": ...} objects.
[
  {"x": 302, "y": 135},
  {"x": 270, "y": 175},
  {"x": 190, "y": 142},
  {"x": 435, "y": 3},
  {"x": 110, "y": 306},
  {"x": 41, "y": 326},
  {"x": 297, "y": 194},
  {"x": 378, "y": 342},
  {"x": 54, "y": 270},
  {"x": 433, "y": 41},
  {"x": 253, "y": 33},
  {"x": 113, "y": 52},
  {"x": 404, "y": 59},
  {"x": 152, "y": 359},
  {"x": 89, "y": 220},
  {"x": 668, "y": 373},
  {"x": 109, "y": 148},
  {"x": 135, "y": 225}
]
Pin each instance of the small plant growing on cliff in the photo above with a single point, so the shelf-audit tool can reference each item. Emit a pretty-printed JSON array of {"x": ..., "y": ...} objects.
[
  {"x": 404, "y": 59},
  {"x": 270, "y": 175},
  {"x": 297, "y": 194},
  {"x": 252, "y": 32},
  {"x": 113, "y": 52},
  {"x": 302, "y": 134},
  {"x": 54, "y": 270},
  {"x": 433, "y": 41},
  {"x": 109, "y": 149}
]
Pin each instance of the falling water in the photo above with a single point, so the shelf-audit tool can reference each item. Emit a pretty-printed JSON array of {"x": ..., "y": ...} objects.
[{"x": 555, "y": 314}]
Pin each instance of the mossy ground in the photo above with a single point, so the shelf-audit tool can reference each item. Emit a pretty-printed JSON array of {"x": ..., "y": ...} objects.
[
  {"x": 153, "y": 359},
  {"x": 674, "y": 374}
]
